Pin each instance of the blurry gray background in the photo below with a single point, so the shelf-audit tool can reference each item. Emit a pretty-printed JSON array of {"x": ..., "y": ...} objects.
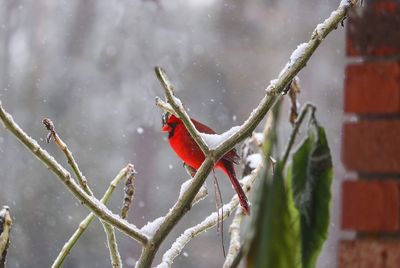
[{"x": 88, "y": 65}]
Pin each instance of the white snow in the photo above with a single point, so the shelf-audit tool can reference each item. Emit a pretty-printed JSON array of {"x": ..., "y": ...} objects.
[
  {"x": 258, "y": 137},
  {"x": 184, "y": 187},
  {"x": 163, "y": 265},
  {"x": 199, "y": 196},
  {"x": 141, "y": 204},
  {"x": 214, "y": 140},
  {"x": 177, "y": 101},
  {"x": 273, "y": 82},
  {"x": 139, "y": 130},
  {"x": 298, "y": 52},
  {"x": 254, "y": 160},
  {"x": 320, "y": 27},
  {"x": 344, "y": 3},
  {"x": 151, "y": 227}
]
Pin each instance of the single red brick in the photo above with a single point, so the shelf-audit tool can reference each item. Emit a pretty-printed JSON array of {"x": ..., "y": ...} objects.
[
  {"x": 373, "y": 29},
  {"x": 372, "y": 146},
  {"x": 372, "y": 206},
  {"x": 369, "y": 253},
  {"x": 372, "y": 88}
]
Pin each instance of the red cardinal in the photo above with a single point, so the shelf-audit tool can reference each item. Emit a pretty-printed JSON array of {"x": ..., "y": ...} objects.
[{"x": 188, "y": 150}]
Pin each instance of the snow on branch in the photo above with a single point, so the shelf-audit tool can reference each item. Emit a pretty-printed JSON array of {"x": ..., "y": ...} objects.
[
  {"x": 207, "y": 223},
  {"x": 275, "y": 90},
  {"x": 214, "y": 140},
  {"x": 277, "y": 87},
  {"x": 234, "y": 244},
  {"x": 199, "y": 196}
]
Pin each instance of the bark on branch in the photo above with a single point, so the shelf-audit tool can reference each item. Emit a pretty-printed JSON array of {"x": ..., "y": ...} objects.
[{"x": 65, "y": 177}]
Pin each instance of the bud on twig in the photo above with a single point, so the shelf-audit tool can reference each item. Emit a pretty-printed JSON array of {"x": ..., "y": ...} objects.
[
  {"x": 5, "y": 227},
  {"x": 294, "y": 90},
  {"x": 129, "y": 192}
]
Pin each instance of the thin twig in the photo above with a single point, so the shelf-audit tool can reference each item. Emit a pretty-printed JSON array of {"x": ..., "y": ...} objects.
[
  {"x": 64, "y": 148},
  {"x": 112, "y": 246},
  {"x": 179, "y": 110},
  {"x": 165, "y": 106},
  {"x": 123, "y": 173},
  {"x": 234, "y": 231},
  {"x": 5, "y": 228},
  {"x": 295, "y": 130},
  {"x": 209, "y": 222},
  {"x": 90, "y": 202},
  {"x": 108, "y": 229}
]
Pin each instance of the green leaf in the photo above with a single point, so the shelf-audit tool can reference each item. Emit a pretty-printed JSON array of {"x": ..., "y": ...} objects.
[
  {"x": 311, "y": 188},
  {"x": 276, "y": 240}
]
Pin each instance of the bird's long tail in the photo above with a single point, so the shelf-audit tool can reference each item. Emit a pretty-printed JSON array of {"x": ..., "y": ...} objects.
[{"x": 228, "y": 168}]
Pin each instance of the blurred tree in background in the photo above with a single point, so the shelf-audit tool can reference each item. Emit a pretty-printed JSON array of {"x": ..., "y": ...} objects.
[{"x": 89, "y": 66}]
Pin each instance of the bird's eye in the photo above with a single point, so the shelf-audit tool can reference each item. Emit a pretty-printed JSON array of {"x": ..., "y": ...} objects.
[{"x": 165, "y": 117}]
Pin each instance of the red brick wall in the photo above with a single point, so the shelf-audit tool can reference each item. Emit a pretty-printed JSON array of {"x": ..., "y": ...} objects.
[{"x": 371, "y": 144}]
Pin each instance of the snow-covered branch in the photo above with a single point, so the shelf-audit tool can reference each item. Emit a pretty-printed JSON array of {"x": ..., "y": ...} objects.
[
  {"x": 207, "y": 223},
  {"x": 297, "y": 61},
  {"x": 219, "y": 146},
  {"x": 90, "y": 202},
  {"x": 234, "y": 244},
  {"x": 277, "y": 87}
]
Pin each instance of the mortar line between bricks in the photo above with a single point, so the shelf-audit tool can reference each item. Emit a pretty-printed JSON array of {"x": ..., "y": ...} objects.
[
  {"x": 370, "y": 117},
  {"x": 367, "y": 59}
]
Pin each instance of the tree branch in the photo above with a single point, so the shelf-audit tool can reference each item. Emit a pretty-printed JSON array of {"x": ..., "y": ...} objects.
[
  {"x": 68, "y": 154},
  {"x": 234, "y": 245},
  {"x": 124, "y": 173},
  {"x": 90, "y": 202},
  {"x": 207, "y": 223},
  {"x": 112, "y": 246},
  {"x": 108, "y": 229},
  {"x": 298, "y": 60},
  {"x": 175, "y": 214},
  {"x": 177, "y": 106}
]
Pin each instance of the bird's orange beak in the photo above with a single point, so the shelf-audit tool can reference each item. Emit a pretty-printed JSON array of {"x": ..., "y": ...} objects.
[{"x": 166, "y": 128}]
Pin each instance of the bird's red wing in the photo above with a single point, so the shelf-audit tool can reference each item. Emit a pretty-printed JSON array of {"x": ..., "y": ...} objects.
[
  {"x": 230, "y": 156},
  {"x": 202, "y": 128}
]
